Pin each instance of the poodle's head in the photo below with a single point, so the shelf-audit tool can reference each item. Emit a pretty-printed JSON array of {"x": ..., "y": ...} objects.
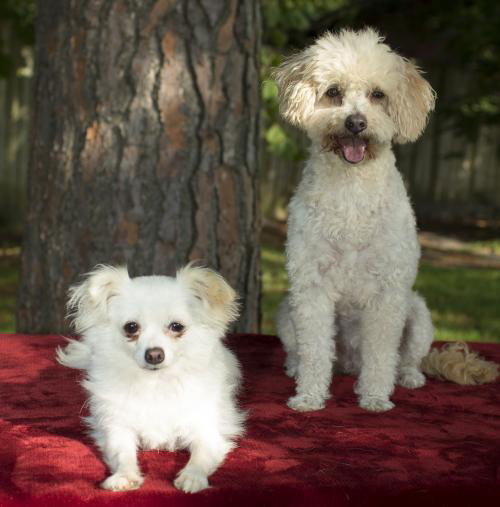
[{"x": 352, "y": 94}]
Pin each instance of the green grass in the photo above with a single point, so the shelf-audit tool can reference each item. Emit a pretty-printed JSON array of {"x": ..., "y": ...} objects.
[
  {"x": 274, "y": 285},
  {"x": 9, "y": 272},
  {"x": 491, "y": 247},
  {"x": 465, "y": 302}
]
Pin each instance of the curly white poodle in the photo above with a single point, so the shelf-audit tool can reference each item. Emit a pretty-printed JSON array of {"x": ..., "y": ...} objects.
[{"x": 352, "y": 248}]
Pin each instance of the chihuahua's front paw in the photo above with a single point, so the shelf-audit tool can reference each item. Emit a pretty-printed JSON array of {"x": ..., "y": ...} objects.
[
  {"x": 306, "y": 402},
  {"x": 375, "y": 404},
  {"x": 191, "y": 480},
  {"x": 122, "y": 482}
]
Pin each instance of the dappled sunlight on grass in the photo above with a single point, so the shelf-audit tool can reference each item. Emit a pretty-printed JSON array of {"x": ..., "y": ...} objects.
[
  {"x": 465, "y": 302},
  {"x": 488, "y": 247},
  {"x": 274, "y": 285},
  {"x": 9, "y": 272}
]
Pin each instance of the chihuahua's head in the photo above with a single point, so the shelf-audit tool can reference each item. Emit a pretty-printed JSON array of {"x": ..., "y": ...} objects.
[{"x": 154, "y": 319}]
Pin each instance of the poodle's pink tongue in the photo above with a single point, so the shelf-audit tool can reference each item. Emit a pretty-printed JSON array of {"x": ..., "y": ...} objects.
[{"x": 353, "y": 149}]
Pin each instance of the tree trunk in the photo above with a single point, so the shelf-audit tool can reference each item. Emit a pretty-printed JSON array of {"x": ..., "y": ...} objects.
[{"x": 144, "y": 152}]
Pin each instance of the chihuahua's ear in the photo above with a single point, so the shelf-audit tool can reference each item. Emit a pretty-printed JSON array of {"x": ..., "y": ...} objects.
[
  {"x": 217, "y": 296},
  {"x": 87, "y": 302}
]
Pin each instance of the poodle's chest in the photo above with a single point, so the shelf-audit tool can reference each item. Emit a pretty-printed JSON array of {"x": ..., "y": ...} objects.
[
  {"x": 360, "y": 256},
  {"x": 343, "y": 208},
  {"x": 345, "y": 226},
  {"x": 352, "y": 219},
  {"x": 349, "y": 265}
]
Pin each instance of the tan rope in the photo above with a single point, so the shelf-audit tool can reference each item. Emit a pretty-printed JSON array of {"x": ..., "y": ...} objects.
[{"x": 457, "y": 363}]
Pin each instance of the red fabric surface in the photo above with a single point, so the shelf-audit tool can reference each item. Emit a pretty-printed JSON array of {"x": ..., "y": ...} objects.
[{"x": 440, "y": 446}]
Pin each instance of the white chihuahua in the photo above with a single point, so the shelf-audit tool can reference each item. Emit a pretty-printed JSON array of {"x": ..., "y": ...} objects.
[{"x": 157, "y": 372}]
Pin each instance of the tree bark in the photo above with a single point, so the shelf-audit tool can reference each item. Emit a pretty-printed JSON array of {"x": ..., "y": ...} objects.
[{"x": 145, "y": 140}]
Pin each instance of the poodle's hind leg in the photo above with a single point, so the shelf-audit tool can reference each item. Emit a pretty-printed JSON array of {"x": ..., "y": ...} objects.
[
  {"x": 286, "y": 332},
  {"x": 415, "y": 345}
]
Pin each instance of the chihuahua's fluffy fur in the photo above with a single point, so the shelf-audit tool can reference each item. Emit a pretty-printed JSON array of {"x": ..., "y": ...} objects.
[
  {"x": 157, "y": 373},
  {"x": 352, "y": 248}
]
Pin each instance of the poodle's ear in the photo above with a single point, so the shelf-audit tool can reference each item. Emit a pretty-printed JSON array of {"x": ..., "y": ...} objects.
[
  {"x": 88, "y": 300},
  {"x": 297, "y": 94},
  {"x": 413, "y": 102},
  {"x": 217, "y": 296}
]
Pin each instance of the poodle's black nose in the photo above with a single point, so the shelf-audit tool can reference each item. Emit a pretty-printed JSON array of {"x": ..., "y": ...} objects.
[
  {"x": 154, "y": 355},
  {"x": 355, "y": 123}
]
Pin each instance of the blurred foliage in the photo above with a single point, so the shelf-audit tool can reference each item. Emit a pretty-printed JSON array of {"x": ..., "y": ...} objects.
[
  {"x": 469, "y": 34},
  {"x": 287, "y": 20},
  {"x": 17, "y": 19},
  {"x": 286, "y": 23},
  {"x": 461, "y": 33}
]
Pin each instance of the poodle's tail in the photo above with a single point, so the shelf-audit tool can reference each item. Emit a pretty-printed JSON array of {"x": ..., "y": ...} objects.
[
  {"x": 457, "y": 363},
  {"x": 454, "y": 361},
  {"x": 75, "y": 355}
]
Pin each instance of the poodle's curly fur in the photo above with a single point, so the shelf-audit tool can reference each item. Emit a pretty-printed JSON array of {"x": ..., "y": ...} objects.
[{"x": 352, "y": 248}]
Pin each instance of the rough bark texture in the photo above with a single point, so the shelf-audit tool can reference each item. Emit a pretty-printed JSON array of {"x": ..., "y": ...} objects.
[{"x": 145, "y": 139}]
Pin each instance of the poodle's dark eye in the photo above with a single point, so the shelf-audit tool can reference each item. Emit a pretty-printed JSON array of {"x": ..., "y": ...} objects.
[
  {"x": 378, "y": 94},
  {"x": 333, "y": 92},
  {"x": 131, "y": 328},
  {"x": 176, "y": 327}
]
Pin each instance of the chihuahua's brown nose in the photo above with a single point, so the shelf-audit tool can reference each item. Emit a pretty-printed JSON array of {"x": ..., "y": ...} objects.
[
  {"x": 154, "y": 355},
  {"x": 355, "y": 123}
]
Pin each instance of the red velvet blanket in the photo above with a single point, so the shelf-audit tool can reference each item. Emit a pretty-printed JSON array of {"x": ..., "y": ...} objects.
[{"x": 440, "y": 446}]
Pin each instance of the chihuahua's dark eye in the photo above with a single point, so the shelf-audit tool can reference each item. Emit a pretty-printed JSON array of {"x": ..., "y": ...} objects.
[
  {"x": 131, "y": 328},
  {"x": 333, "y": 92},
  {"x": 378, "y": 94},
  {"x": 176, "y": 327}
]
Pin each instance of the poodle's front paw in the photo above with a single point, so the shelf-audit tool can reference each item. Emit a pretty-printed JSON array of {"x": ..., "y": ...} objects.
[
  {"x": 122, "y": 482},
  {"x": 411, "y": 379},
  {"x": 375, "y": 404},
  {"x": 306, "y": 402},
  {"x": 191, "y": 480}
]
